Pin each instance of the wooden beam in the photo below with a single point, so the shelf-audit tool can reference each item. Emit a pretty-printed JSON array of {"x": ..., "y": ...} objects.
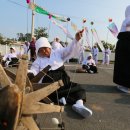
[
  {"x": 21, "y": 75},
  {"x": 38, "y": 108},
  {"x": 42, "y": 93},
  {"x": 10, "y": 74},
  {"x": 42, "y": 73},
  {"x": 29, "y": 123},
  {"x": 37, "y": 86},
  {"x": 4, "y": 79}
]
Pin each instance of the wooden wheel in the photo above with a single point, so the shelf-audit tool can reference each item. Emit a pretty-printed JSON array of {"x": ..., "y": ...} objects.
[{"x": 17, "y": 106}]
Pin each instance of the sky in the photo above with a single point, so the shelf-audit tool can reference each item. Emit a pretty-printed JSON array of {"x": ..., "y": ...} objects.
[{"x": 16, "y": 18}]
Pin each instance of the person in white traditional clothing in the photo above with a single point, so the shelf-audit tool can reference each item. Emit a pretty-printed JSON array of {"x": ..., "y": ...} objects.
[
  {"x": 81, "y": 56},
  {"x": 89, "y": 64},
  {"x": 122, "y": 57},
  {"x": 106, "y": 56},
  {"x": 73, "y": 93},
  {"x": 26, "y": 47},
  {"x": 56, "y": 44},
  {"x": 10, "y": 58},
  {"x": 95, "y": 52}
]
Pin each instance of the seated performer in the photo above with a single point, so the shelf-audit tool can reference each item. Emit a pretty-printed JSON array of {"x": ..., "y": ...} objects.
[
  {"x": 89, "y": 64},
  {"x": 10, "y": 58},
  {"x": 46, "y": 56}
]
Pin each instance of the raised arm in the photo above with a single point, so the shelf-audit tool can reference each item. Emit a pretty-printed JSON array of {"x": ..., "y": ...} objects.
[{"x": 72, "y": 50}]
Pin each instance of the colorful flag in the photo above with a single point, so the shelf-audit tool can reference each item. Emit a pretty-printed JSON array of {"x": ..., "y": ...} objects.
[
  {"x": 95, "y": 35},
  {"x": 87, "y": 37},
  {"x": 74, "y": 26},
  {"x": 63, "y": 29},
  {"x": 40, "y": 10},
  {"x": 113, "y": 29}
]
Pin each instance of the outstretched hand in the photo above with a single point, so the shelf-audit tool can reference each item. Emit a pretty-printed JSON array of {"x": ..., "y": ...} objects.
[{"x": 79, "y": 35}]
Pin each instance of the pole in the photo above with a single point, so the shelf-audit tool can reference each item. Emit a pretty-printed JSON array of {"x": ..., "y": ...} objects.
[
  {"x": 107, "y": 36},
  {"x": 32, "y": 28},
  {"x": 67, "y": 31},
  {"x": 92, "y": 35},
  {"x": 49, "y": 28}
]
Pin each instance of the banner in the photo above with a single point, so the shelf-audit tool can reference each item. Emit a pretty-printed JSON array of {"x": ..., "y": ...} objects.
[
  {"x": 63, "y": 29},
  {"x": 40, "y": 10},
  {"x": 95, "y": 35},
  {"x": 87, "y": 37},
  {"x": 113, "y": 29}
]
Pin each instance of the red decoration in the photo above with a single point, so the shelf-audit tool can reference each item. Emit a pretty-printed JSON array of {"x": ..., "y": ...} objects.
[
  {"x": 50, "y": 16},
  {"x": 28, "y": 1},
  {"x": 84, "y": 20},
  {"x": 110, "y": 19}
]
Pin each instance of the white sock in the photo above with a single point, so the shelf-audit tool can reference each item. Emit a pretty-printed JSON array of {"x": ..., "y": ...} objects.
[{"x": 79, "y": 102}]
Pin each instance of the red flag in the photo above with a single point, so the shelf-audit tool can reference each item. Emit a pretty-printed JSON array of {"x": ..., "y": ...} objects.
[{"x": 28, "y": 1}]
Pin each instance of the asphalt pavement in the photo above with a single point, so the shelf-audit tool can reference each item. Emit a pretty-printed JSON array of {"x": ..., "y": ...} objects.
[{"x": 111, "y": 107}]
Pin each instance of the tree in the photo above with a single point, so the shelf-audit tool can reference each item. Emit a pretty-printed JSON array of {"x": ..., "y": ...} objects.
[
  {"x": 20, "y": 37},
  {"x": 41, "y": 32},
  {"x": 1, "y": 38}
]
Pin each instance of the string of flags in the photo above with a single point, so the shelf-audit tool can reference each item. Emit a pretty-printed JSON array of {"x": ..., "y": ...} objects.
[
  {"x": 112, "y": 26},
  {"x": 40, "y": 10}
]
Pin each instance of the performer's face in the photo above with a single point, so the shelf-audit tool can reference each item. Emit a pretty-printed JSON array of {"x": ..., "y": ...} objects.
[
  {"x": 44, "y": 52},
  {"x": 12, "y": 50}
]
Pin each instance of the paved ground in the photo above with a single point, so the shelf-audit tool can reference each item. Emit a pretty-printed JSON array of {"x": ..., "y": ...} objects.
[{"x": 111, "y": 108}]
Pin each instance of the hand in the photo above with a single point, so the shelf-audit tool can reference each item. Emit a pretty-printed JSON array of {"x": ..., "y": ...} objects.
[{"x": 79, "y": 35}]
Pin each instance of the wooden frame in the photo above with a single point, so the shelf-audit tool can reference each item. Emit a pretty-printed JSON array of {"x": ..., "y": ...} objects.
[{"x": 19, "y": 105}]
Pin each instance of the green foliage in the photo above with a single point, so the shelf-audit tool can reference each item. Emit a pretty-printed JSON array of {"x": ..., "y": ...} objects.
[
  {"x": 1, "y": 39},
  {"x": 40, "y": 32},
  {"x": 112, "y": 47},
  {"x": 24, "y": 37}
]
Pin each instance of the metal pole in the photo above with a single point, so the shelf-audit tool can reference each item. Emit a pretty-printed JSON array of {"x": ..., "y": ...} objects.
[
  {"x": 92, "y": 34},
  {"x": 32, "y": 28},
  {"x": 49, "y": 28},
  {"x": 67, "y": 31},
  {"x": 107, "y": 36}
]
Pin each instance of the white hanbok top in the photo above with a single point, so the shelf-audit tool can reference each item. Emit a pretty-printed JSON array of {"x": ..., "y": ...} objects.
[
  {"x": 26, "y": 48},
  {"x": 89, "y": 62},
  {"x": 95, "y": 51},
  {"x": 56, "y": 45},
  {"x": 57, "y": 57},
  {"x": 107, "y": 52},
  {"x": 10, "y": 55}
]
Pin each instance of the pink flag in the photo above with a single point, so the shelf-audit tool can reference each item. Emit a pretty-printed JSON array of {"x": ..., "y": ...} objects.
[
  {"x": 63, "y": 29},
  {"x": 28, "y": 1},
  {"x": 87, "y": 37},
  {"x": 95, "y": 35},
  {"x": 113, "y": 29}
]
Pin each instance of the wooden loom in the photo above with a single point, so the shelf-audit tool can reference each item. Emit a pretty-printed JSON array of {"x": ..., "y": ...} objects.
[{"x": 17, "y": 106}]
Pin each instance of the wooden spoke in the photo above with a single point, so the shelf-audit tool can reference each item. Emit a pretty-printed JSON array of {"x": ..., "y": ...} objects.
[
  {"x": 42, "y": 93},
  {"x": 10, "y": 74},
  {"x": 37, "y": 86},
  {"x": 4, "y": 79},
  {"x": 38, "y": 108},
  {"x": 29, "y": 122},
  {"x": 21, "y": 75}
]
